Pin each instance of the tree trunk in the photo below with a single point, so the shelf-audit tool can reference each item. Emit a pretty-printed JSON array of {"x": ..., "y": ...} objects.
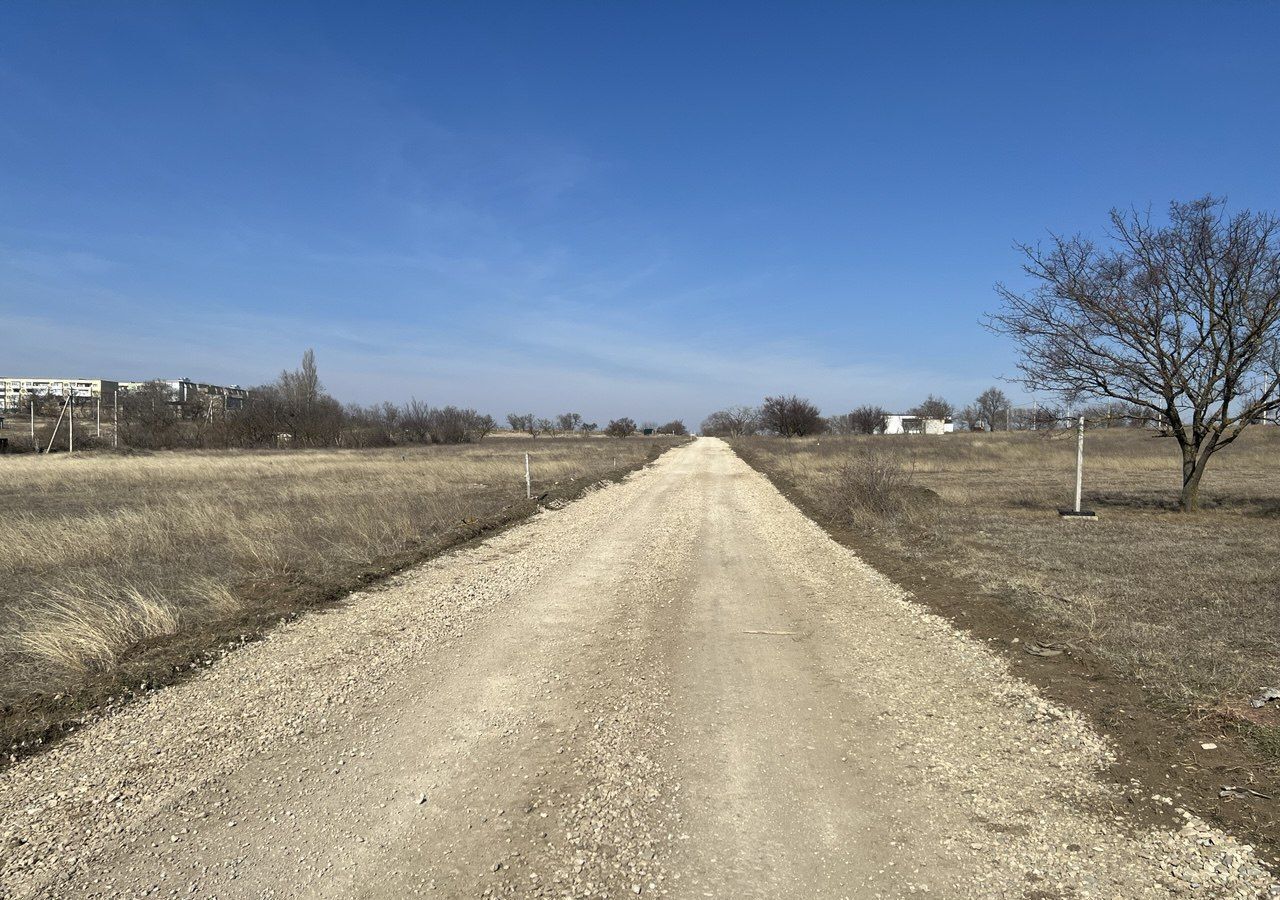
[{"x": 1192, "y": 470}]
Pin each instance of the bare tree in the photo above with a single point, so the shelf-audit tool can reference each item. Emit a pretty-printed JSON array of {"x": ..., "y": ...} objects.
[
  {"x": 415, "y": 421},
  {"x": 588, "y": 428},
  {"x": 523, "y": 422},
  {"x": 791, "y": 416},
  {"x": 621, "y": 428},
  {"x": 675, "y": 426},
  {"x": 992, "y": 408},
  {"x": 543, "y": 425},
  {"x": 867, "y": 419},
  {"x": 736, "y": 421},
  {"x": 568, "y": 422},
  {"x": 1182, "y": 320},
  {"x": 972, "y": 418},
  {"x": 934, "y": 408}
]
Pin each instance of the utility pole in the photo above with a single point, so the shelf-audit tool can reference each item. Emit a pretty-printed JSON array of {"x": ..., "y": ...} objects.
[{"x": 57, "y": 425}]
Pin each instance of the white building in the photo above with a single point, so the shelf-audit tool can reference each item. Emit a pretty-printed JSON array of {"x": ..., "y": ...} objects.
[
  {"x": 15, "y": 392},
  {"x": 905, "y": 423}
]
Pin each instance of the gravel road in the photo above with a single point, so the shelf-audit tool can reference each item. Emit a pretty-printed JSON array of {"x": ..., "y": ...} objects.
[{"x": 676, "y": 686}]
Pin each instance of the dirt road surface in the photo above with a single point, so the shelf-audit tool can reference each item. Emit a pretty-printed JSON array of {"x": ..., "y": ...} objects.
[{"x": 677, "y": 686}]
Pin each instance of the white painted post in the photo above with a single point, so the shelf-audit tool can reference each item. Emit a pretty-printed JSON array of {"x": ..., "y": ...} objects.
[
  {"x": 32, "y": 398},
  {"x": 1079, "y": 461},
  {"x": 99, "y": 413},
  {"x": 71, "y": 422},
  {"x": 115, "y": 418},
  {"x": 528, "y": 484}
]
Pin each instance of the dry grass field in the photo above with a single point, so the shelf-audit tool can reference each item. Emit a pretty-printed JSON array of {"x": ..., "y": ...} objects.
[
  {"x": 114, "y": 568},
  {"x": 1189, "y": 605}
]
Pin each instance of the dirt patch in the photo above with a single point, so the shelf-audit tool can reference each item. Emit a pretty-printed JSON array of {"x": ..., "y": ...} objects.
[{"x": 1159, "y": 748}]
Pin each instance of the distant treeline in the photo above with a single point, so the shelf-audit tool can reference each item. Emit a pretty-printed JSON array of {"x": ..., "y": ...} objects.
[
  {"x": 793, "y": 416},
  {"x": 295, "y": 410}
]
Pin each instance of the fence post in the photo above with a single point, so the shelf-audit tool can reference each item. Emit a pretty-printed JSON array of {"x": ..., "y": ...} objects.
[{"x": 528, "y": 483}]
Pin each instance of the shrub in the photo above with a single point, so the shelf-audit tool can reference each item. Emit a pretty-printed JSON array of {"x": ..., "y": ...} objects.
[
  {"x": 791, "y": 416},
  {"x": 873, "y": 486},
  {"x": 621, "y": 428}
]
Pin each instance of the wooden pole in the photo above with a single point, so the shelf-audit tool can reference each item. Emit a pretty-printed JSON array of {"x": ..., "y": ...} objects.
[
  {"x": 1079, "y": 461},
  {"x": 528, "y": 483},
  {"x": 71, "y": 421}
]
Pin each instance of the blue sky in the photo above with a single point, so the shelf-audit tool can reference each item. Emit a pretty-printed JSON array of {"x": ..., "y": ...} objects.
[{"x": 645, "y": 209}]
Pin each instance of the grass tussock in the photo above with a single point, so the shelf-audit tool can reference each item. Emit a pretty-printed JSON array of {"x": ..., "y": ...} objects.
[
  {"x": 103, "y": 553},
  {"x": 1187, "y": 604}
]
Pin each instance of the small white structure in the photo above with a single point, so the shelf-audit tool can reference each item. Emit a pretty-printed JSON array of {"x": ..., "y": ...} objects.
[{"x": 905, "y": 423}]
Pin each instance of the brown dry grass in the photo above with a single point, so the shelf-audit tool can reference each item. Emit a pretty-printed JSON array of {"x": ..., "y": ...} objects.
[
  {"x": 102, "y": 553},
  {"x": 1189, "y": 605}
]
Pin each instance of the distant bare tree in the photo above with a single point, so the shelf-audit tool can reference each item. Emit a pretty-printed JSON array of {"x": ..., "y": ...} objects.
[
  {"x": 415, "y": 421},
  {"x": 568, "y": 422},
  {"x": 588, "y": 428},
  {"x": 972, "y": 418},
  {"x": 675, "y": 426},
  {"x": 934, "y": 408},
  {"x": 621, "y": 428},
  {"x": 791, "y": 416},
  {"x": 991, "y": 407},
  {"x": 867, "y": 419},
  {"x": 839, "y": 424},
  {"x": 736, "y": 421},
  {"x": 523, "y": 422},
  {"x": 1182, "y": 320},
  {"x": 543, "y": 425}
]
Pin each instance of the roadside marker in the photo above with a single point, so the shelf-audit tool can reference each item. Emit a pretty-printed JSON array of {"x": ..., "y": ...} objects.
[{"x": 1079, "y": 513}]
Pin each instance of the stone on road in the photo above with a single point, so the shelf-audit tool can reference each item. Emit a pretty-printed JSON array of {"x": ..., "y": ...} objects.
[{"x": 676, "y": 686}]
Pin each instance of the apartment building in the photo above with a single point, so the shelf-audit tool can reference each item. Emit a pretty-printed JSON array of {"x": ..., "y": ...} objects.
[{"x": 14, "y": 392}]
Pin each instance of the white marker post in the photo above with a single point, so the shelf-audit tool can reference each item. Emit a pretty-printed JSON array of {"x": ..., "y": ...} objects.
[
  {"x": 1079, "y": 463},
  {"x": 528, "y": 483},
  {"x": 1077, "y": 512}
]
